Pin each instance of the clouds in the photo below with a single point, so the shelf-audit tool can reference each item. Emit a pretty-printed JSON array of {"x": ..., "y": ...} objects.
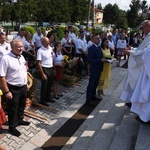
[{"x": 122, "y": 4}]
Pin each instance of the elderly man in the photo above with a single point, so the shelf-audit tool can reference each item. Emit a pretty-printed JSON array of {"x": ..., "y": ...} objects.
[
  {"x": 45, "y": 66},
  {"x": 13, "y": 79},
  {"x": 136, "y": 88},
  {"x": 37, "y": 38}
]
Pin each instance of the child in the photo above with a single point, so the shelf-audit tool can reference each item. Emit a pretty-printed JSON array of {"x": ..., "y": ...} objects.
[{"x": 58, "y": 68}]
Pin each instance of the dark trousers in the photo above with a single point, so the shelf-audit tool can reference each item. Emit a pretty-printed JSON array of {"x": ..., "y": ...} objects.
[
  {"x": 73, "y": 52},
  {"x": 16, "y": 105},
  {"x": 80, "y": 63},
  {"x": 46, "y": 85},
  {"x": 92, "y": 85}
]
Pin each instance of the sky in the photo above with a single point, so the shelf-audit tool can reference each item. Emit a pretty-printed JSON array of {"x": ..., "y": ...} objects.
[{"x": 122, "y": 4}]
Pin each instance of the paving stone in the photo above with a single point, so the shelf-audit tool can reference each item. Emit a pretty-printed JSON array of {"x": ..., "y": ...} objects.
[
  {"x": 12, "y": 143},
  {"x": 16, "y": 146},
  {"x": 24, "y": 137},
  {"x": 6, "y": 139}
]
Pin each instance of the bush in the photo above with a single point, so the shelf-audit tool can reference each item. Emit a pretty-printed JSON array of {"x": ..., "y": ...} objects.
[
  {"x": 98, "y": 30},
  {"x": 60, "y": 32},
  {"x": 29, "y": 29},
  {"x": 133, "y": 32},
  {"x": 76, "y": 30},
  {"x": 43, "y": 29}
]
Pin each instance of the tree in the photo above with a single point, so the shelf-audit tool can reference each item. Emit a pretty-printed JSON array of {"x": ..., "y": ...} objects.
[
  {"x": 144, "y": 6},
  {"x": 6, "y": 12},
  {"x": 122, "y": 20},
  {"x": 43, "y": 10},
  {"x": 111, "y": 14},
  {"x": 61, "y": 11},
  {"x": 1, "y": 12},
  {"x": 79, "y": 10},
  {"x": 99, "y": 6},
  {"x": 132, "y": 14}
]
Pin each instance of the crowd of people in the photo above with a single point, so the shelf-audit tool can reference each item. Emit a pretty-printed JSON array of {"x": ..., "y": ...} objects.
[{"x": 45, "y": 53}]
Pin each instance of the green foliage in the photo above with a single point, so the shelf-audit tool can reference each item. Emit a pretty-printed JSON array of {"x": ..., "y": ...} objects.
[
  {"x": 90, "y": 30},
  {"x": 75, "y": 30},
  {"x": 1, "y": 12},
  {"x": 6, "y": 11},
  {"x": 43, "y": 29},
  {"x": 29, "y": 29},
  {"x": 122, "y": 21},
  {"x": 63, "y": 28},
  {"x": 95, "y": 31},
  {"x": 132, "y": 14},
  {"x": 66, "y": 11},
  {"x": 99, "y": 6},
  {"x": 132, "y": 32},
  {"x": 79, "y": 10},
  {"x": 111, "y": 14},
  {"x": 60, "y": 33}
]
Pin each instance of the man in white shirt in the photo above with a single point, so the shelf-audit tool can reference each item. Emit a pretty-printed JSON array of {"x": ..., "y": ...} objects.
[
  {"x": 81, "y": 51},
  {"x": 13, "y": 79},
  {"x": 72, "y": 38},
  {"x": 45, "y": 66},
  {"x": 37, "y": 38}
]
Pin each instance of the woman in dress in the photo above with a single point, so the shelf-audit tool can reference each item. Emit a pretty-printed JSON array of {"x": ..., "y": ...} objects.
[
  {"x": 105, "y": 74},
  {"x": 58, "y": 68}
]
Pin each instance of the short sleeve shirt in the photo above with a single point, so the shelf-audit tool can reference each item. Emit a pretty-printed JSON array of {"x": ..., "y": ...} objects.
[
  {"x": 58, "y": 59},
  {"x": 81, "y": 44},
  {"x": 14, "y": 69},
  {"x": 37, "y": 39},
  {"x": 45, "y": 55}
]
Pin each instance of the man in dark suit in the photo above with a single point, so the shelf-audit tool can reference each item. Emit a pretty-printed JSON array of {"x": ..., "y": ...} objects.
[{"x": 95, "y": 60}]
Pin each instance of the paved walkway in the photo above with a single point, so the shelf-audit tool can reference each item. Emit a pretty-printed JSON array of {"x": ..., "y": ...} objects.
[{"x": 39, "y": 131}]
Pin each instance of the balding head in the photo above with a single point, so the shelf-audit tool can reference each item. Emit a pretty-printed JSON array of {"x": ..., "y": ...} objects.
[
  {"x": 146, "y": 22},
  {"x": 146, "y": 26},
  {"x": 45, "y": 41}
]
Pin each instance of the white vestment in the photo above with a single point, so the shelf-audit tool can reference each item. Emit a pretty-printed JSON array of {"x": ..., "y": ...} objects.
[
  {"x": 141, "y": 96},
  {"x": 135, "y": 66}
]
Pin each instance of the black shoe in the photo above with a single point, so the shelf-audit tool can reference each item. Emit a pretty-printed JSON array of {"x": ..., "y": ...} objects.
[
  {"x": 60, "y": 95},
  {"x": 129, "y": 105},
  {"x": 141, "y": 121},
  {"x": 90, "y": 104},
  {"x": 56, "y": 97},
  {"x": 24, "y": 123},
  {"x": 14, "y": 132},
  {"x": 45, "y": 104},
  {"x": 96, "y": 98},
  {"x": 51, "y": 101}
]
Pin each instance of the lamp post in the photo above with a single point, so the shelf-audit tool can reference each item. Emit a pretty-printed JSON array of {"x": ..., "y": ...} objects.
[
  {"x": 89, "y": 9},
  {"x": 93, "y": 13},
  {"x": 19, "y": 13}
]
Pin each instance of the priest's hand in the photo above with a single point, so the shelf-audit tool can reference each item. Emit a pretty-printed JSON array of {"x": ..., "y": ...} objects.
[{"x": 127, "y": 52}]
